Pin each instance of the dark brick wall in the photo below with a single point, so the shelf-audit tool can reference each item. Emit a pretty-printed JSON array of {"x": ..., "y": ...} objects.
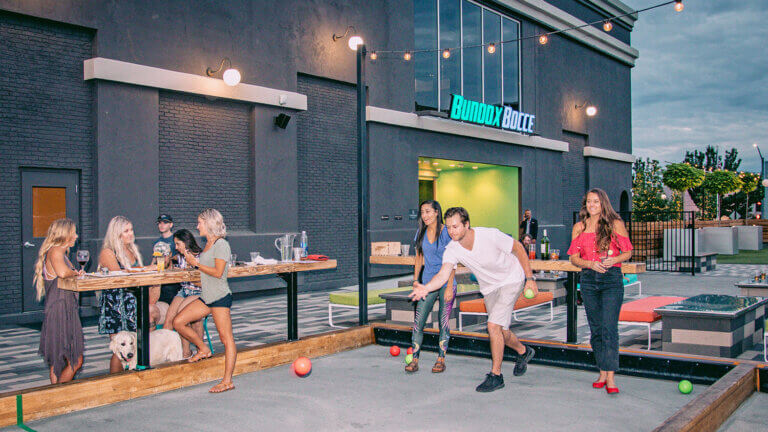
[
  {"x": 574, "y": 178},
  {"x": 205, "y": 159},
  {"x": 45, "y": 121},
  {"x": 327, "y": 160}
]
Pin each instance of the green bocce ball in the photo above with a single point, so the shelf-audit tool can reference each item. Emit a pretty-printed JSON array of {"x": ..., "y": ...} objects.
[
  {"x": 408, "y": 359},
  {"x": 528, "y": 293},
  {"x": 685, "y": 386}
]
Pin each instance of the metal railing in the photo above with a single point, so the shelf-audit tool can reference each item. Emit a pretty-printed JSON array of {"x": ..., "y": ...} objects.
[{"x": 665, "y": 241}]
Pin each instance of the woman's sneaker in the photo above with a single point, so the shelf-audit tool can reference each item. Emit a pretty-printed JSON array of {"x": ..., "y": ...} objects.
[
  {"x": 521, "y": 365},
  {"x": 492, "y": 382}
]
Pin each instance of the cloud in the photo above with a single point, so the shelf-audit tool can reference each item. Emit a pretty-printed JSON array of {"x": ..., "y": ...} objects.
[{"x": 701, "y": 79}]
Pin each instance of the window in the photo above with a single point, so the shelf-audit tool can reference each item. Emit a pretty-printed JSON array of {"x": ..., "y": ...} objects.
[{"x": 471, "y": 71}]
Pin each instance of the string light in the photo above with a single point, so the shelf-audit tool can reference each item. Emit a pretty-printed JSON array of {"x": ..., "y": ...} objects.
[{"x": 543, "y": 39}]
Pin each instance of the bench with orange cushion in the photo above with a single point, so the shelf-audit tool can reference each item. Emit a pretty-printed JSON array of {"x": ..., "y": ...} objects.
[
  {"x": 477, "y": 306},
  {"x": 640, "y": 312}
]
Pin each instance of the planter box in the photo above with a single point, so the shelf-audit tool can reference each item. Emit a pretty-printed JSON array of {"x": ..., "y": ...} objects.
[
  {"x": 721, "y": 240},
  {"x": 750, "y": 237}
]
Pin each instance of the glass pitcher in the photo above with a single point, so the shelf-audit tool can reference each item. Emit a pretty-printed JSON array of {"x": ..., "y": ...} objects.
[{"x": 284, "y": 244}]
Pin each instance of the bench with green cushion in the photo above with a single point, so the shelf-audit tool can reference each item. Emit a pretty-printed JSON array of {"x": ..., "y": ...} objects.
[{"x": 350, "y": 299}]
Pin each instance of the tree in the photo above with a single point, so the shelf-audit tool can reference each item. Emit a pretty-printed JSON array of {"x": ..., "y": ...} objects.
[
  {"x": 710, "y": 160},
  {"x": 750, "y": 192},
  {"x": 647, "y": 188},
  {"x": 721, "y": 182},
  {"x": 680, "y": 177}
]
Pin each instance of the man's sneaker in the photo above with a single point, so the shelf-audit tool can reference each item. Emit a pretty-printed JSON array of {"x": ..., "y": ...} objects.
[
  {"x": 492, "y": 382},
  {"x": 521, "y": 365}
]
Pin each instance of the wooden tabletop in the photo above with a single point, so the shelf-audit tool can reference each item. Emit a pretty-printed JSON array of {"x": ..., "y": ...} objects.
[
  {"x": 95, "y": 283},
  {"x": 536, "y": 265}
]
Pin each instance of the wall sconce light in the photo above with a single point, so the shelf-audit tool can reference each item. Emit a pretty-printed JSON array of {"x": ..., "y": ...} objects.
[
  {"x": 590, "y": 111},
  {"x": 282, "y": 120},
  {"x": 354, "y": 40},
  {"x": 231, "y": 76}
]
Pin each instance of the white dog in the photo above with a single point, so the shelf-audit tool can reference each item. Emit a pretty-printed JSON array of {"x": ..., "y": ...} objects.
[{"x": 164, "y": 346}]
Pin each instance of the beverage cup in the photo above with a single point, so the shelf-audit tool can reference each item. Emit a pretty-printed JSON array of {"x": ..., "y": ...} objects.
[
  {"x": 285, "y": 252},
  {"x": 254, "y": 256},
  {"x": 297, "y": 253},
  {"x": 405, "y": 249},
  {"x": 232, "y": 260}
]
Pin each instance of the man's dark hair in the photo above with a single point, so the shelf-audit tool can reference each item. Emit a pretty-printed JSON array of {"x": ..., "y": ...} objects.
[{"x": 461, "y": 211}]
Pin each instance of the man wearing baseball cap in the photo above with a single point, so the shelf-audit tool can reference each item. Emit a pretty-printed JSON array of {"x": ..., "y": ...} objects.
[{"x": 165, "y": 226}]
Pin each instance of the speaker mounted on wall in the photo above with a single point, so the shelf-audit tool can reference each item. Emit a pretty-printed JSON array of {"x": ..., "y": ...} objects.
[{"x": 282, "y": 120}]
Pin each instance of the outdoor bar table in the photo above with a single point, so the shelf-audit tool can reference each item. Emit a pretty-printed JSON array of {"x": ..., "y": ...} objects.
[
  {"x": 140, "y": 282},
  {"x": 536, "y": 265},
  {"x": 751, "y": 288}
]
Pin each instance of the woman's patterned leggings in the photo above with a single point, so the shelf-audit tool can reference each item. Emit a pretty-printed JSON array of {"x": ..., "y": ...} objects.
[{"x": 424, "y": 309}]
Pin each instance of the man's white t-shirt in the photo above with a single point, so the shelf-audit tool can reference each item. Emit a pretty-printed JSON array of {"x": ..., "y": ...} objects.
[{"x": 491, "y": 259}]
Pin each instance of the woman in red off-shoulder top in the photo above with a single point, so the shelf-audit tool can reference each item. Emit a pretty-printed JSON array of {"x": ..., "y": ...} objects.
[{"x": 600, "y": 243}]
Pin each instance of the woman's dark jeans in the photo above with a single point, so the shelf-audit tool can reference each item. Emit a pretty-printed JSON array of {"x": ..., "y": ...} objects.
[{"x": 603, "y": 295}]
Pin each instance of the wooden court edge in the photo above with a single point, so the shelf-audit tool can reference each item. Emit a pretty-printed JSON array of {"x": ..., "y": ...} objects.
[
  {"x": 52, "y": 400},
  {"x": 658, "y": 354},
  {"x": 709, "y": 410}
]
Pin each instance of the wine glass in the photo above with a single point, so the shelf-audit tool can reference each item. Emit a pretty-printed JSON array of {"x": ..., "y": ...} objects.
[{"x": 82, "y": 257}]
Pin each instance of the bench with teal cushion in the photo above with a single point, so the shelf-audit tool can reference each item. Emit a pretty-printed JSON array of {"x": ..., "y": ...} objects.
[{"x": 629, "y": 280}]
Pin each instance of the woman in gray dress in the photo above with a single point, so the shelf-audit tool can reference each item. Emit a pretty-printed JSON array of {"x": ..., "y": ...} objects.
[{"x": 61, "y": 337}]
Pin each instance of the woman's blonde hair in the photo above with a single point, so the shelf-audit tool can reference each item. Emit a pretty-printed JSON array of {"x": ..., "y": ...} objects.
[
  {"x": 59, "y": 233},
  {"x": 113, "y": 242},
  {"x": 214, "y": 222}
]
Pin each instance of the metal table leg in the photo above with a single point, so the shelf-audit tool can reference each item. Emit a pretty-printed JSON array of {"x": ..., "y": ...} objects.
[
  {"x": 142, "y": 327},
  {"x": 571, "y": 315},
  {"x": 292, "y": 288}
]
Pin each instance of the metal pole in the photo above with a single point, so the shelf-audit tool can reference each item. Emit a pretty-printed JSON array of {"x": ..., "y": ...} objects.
[
  {"x": 362, "y": 190},
  {"x": 765, "y": 189}
]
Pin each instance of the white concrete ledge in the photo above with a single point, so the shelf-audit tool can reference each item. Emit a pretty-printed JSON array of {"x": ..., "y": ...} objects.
[
  {"x": 615, "y": 7},
  {"x": 131, "y": 73},
  {"x": 557, "y": 19},
  {"x": 608, "y": 154},
  {"x": 452, "y": 127}
]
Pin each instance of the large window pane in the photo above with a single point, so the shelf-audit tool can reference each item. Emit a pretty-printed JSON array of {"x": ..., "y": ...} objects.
[
  {"x": 473, "y": 57},
  {"x": 450, "y": 68},
  {"x": 492, "y": 33},
  {"x": 511, "y": 56},
  {"x": 425, "y": 64}
]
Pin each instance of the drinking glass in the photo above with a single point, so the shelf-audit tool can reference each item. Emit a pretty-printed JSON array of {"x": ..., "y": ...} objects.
[
  {"x": 232, "y": 260},
  {"x": 405, "y": 250},
  {"x": 254, "y": 256},
  {"x": 532, "y": 251},
  {"x": 554, "y": 254},
  {"x": 82, "y": 257},
  {"x": 297, "y": 251}
]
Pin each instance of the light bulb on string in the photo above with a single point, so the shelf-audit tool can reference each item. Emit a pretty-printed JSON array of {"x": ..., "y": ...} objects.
[
  {"x": 374, "y": 56},
  {"x": 543, "y": 39},
  {"x": 679, "y": 6},
  {"x": 407, "y": 56},
  {"x": 446, "y": 53},
  {"x": 607, "y": 26},
  {"x": 491, "y": 48}
]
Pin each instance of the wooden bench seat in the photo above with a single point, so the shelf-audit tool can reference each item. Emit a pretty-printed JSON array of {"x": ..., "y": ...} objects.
[{"x": 477, "y": 306}]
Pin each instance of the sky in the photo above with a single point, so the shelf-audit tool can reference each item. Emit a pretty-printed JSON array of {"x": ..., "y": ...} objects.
[{"x": 701, "y": 79}]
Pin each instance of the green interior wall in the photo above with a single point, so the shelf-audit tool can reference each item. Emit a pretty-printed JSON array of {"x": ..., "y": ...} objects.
[{"x": 490, "y": 195}]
